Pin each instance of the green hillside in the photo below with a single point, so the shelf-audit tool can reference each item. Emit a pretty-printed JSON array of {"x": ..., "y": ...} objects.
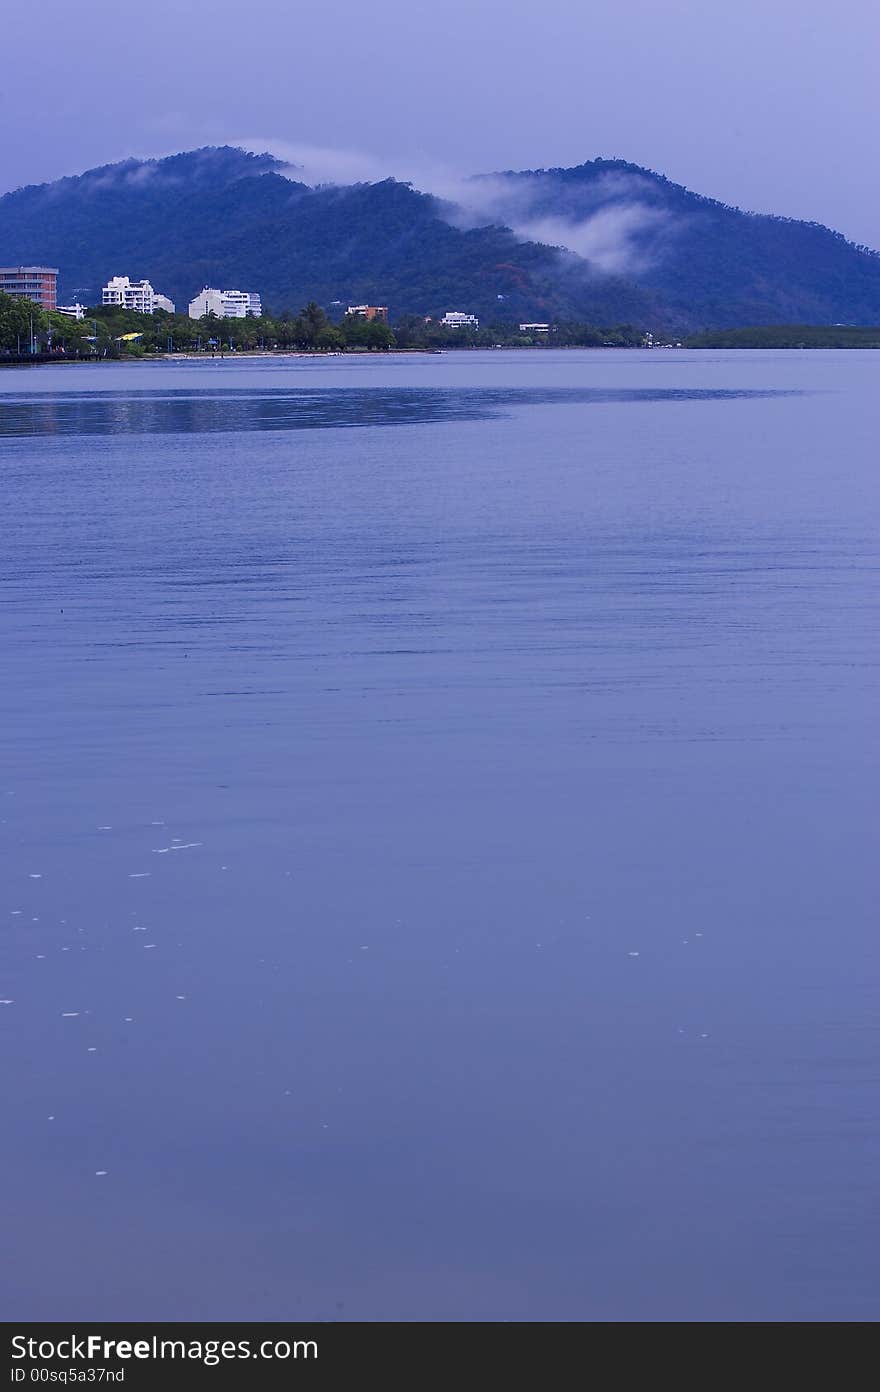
[{"x": 603, "y": 243}]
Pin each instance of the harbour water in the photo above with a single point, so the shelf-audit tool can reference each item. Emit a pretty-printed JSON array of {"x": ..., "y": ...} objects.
[{"x": 438, "y": 838}]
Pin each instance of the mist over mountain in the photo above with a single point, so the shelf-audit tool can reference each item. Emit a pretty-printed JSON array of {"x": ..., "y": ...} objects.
[
  {"x": 706, "y": 262},
  {"x": 606, "y": 242}
]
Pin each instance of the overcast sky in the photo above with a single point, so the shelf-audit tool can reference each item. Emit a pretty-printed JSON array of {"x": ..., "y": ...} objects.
[{"x": 769, "y": 104}]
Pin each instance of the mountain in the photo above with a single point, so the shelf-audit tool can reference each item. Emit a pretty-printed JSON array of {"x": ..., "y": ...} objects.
[
  {"x": 605, "y": 242},
  {"x": 708, "y": 263},
  {"x": 224, "y": 217}
]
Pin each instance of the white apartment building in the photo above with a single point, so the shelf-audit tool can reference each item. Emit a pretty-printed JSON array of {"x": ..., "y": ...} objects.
[
  {"x": 163, "y": 302},
  {"x": 534, "y": 328},
  {"x": 226, "y": 304},
  {"x": 453, "y": 320},
  {"x": 138, "y": 295},
  {"x": 72, "y": 311}
]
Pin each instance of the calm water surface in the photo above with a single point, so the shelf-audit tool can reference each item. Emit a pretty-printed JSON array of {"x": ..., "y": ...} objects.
[{"x": 437, "y": 838}]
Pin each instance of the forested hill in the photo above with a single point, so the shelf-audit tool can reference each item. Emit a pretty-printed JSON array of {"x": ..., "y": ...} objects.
[
  {"x": 710, "y": 264},
  {"x": 606, "y": 242},
  {"x": 222, "y": 217}
]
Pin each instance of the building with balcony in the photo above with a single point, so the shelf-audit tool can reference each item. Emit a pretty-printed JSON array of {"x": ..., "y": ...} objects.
[
  {"x": 226, "y": 304},
  {"x": 138, "y": 295},
  {"x": 37, "y": 283},
  {"x": 368, "y": 311},
  {"x": 454, "y": 320}
]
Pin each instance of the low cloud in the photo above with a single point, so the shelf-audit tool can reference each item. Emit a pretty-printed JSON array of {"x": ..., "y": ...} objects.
[
  {"x": 323, "y": 164},
  {"x": 618, "y": 234},
  {"x": 613, "y": 228},
  {"x": 612, "y": 239}
]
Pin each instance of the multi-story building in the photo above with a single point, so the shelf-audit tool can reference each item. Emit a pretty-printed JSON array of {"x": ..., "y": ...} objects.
[
  {"x": 368, "y": 311},
  {"x": 72, "y": 311},
  {"x": 37, "y": 283},
  {"x": 454, "y": 320},
  {"x": 226, "y": 304},
  {"x": 534, "y": 328},
  {"x": 138, "y": 295},
  {"x": 163, "y": 302}
]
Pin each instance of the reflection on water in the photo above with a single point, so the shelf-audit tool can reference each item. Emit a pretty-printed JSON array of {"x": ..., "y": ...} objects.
[{"x": 186, "y": 412}]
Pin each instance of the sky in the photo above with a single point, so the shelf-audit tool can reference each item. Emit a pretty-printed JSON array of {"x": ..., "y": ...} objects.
[{"x": 767, "y": 104}]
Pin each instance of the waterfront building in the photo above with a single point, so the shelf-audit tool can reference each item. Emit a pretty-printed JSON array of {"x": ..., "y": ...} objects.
[
  {"x": 138, "y": 295},
  {"x": 226, "y": 304},
  {"x": 163, "y": 302},
  {"x": 454, "y": 320},
  {"x": 72, "y": 311},
  {"x": 37, "y": 283},
  {"x": 368, "y": 311},
  {"x": 534, "y": 328}
]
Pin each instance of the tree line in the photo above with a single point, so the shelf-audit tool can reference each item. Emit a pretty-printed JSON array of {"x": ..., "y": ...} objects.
[
  {"x": 789, "y": 336},
  {"x": 109, "y": 331}
]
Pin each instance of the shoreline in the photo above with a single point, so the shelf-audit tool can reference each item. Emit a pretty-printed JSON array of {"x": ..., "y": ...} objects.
[{"x": 39, "y": 360}]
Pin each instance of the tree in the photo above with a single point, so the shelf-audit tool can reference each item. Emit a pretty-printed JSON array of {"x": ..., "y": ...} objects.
[
  {"x": 380, "y": 335},
  {"x": 314, "y": 321},
  {"x": 330, "y": 340},
  {"x": 71, "y": 334},
  {"x": 366, "y": 333},
  {"x": 16, "y": 316}
]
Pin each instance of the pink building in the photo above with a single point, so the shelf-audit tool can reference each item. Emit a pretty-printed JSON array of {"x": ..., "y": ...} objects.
[{"x": 38, "y": 283}]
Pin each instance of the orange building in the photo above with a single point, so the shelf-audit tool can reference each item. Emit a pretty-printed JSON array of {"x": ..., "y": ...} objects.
[
  {"x": 369, "y": 311},
  {"x": 38, "y": 283}
]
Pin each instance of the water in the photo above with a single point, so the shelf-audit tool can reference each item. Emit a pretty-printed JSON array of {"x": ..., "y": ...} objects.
[{"x": 451, "y": 784}]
